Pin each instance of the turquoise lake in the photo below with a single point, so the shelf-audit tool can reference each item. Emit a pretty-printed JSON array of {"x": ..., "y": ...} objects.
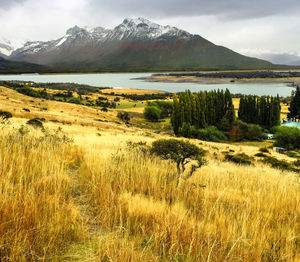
[{"x": 126, "y": 80}]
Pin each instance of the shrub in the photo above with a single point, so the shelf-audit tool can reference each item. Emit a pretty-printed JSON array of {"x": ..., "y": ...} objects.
[
  {"x": 260, "y": 155},
  {"x": 287, "y": 137},
  {"x": 238, "y": 131},
  {"x": 297, "y": 163},
  {"x": 180, "y": 152},
  {"x": 152, "y": 113},
  {"x": 264, "y": 150},
  {"x": 5, "y": 114},
  {"x": 124, "y": 116},
  {"x": 28, "y": 91},
  {"x": 74, "y": 100},
  {"x": 275, "y": 163},
  {"x": 211, "y": 133},
  {"x": 35, "y": 122},
  {"x": 293, "y": 154},
  {"x": 165, "y": 107},
  {"x": 254, "y": 132},
  {"x": 240, "y": 158}
]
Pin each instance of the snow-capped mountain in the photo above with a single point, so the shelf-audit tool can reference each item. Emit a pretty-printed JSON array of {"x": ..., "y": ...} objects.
[
  {"x": 5, "y": 48},
  {"x": 130, "y": 29},
  {"x": 135, "y": 44}
]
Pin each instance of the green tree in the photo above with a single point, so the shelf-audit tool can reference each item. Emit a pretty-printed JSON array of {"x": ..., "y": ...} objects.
[
  {"x": 152, "y": 113},
  {"x": 287, "y": 137},
  {"x": 176, "y": 115},
  {"x": 254, "y": 132},
  {"x": 180, "y": 152},
  {"x": 294, "y": 109}
]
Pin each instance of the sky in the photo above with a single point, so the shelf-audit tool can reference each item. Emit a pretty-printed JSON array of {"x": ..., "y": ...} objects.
[{"x": 246, "y": 26}]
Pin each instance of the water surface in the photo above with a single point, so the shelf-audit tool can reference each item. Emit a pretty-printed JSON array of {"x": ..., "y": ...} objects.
[
  {"x": 291, "y": 124},
  {"x": 125, "y": 80}
]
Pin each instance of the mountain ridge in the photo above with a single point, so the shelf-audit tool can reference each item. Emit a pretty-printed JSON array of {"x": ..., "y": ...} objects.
[{"x": 134, "y": 45}]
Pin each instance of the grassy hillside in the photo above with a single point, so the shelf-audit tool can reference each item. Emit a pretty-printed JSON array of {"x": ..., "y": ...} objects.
[
  {"x": 78, "y": 191},
  {"x": 9, "y": 67}
]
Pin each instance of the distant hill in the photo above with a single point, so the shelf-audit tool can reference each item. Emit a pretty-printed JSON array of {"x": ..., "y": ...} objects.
[
  {"x": 7, "y": 66},
  {"x": 277, "y": 58},
  {"x": 295, "y": 63},
  {"x": 134, "y": 45}
]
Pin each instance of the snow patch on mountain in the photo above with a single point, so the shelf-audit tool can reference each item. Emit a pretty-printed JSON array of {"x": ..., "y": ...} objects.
[
  {"x": 5, "y": 50},
  {"x": 5, "y": 47}
]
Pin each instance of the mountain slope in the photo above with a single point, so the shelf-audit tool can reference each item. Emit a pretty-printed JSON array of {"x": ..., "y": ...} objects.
[
  {"x": 134, "y": 45},
  {"x": 7, "y": 66}
]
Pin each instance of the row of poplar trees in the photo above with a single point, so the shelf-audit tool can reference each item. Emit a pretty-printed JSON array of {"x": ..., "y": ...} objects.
[
  {"x": 263, "y": 111},
  {"x": 294, "y": 109},
  {"x": 215, "y": 108},
  {"x": 202, "y": 109}
]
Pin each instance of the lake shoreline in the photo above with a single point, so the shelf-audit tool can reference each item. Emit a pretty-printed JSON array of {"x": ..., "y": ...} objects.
[{"x": 207, "y": 81}]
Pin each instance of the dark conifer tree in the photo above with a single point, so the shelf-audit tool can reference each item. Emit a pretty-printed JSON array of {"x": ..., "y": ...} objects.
[
  {"x": 294, "y": 109},
  {"x": 176, "y": 115}
]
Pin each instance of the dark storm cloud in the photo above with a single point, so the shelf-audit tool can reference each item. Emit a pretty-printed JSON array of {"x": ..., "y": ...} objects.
[{"x": 229, "y": 9}]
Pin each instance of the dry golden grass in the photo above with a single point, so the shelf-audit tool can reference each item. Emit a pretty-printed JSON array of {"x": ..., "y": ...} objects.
[
  {"x": 38, "y": 216},
  {"x": 129, "y": 91},
  {"x": 97, "y": 199}
]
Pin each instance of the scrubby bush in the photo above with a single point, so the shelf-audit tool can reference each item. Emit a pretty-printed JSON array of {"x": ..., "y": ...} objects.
[
  {"x": 35, "y": 122},
  {"x": 238, "y": 131},
  {"x": 260, "y": 154},
  {"x": 74, "y": 100},
  {"x": 287, "y": 137},
  {"x": 124, "y": 116},
  {"x": 28, "y": 91},
  {"x": 264, "y": 150},
  {"x": 165, "y": 107},
  {"x": 152, "y": 113},
  {"x": 276, "y": 163},
  {"x": 5, "y": 114},
  {"x": 211, "y": 133},
  {"x": 297, "y": 163},
  {"x": 241, "y": 130},
  {"x": 293, "y": 154},
  {"x": 254, "y": 132},
  {"x": 240, "y": 158}
]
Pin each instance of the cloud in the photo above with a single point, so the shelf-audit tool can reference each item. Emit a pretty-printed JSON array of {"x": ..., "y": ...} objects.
[
  {"x": 237, "y": 24},
  {"x": 225, "y": 9},
  {"x": 6, "y": 4}
]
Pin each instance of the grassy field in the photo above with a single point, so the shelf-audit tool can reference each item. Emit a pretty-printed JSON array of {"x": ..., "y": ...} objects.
[{"x": 78, "y": 191}]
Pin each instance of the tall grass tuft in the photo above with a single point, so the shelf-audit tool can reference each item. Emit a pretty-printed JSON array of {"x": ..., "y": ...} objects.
[{"x": 38, "y": 218}]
